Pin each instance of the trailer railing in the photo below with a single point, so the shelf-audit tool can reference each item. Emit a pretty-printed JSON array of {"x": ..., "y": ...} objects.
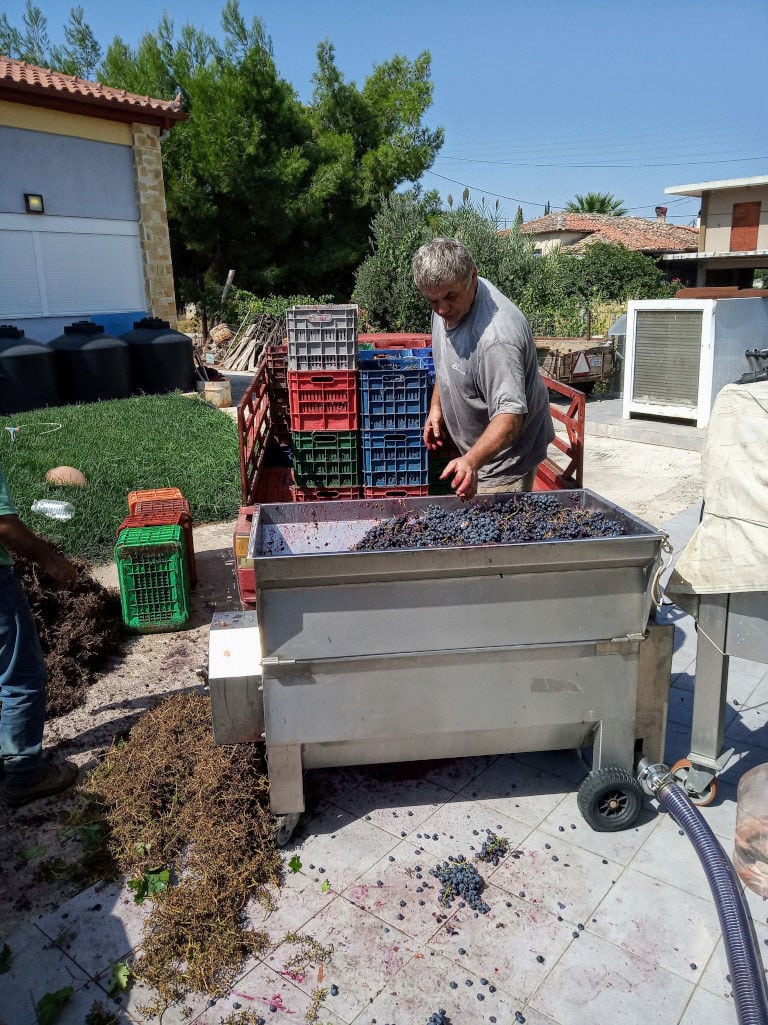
[{"x": 261, "y": 482}]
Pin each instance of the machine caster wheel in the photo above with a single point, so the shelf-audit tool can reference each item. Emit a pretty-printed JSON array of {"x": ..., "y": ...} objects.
[
  {"x": 680, "y": 771},
  {"x": 610, "y": 799},
  {"x": 285, "y": 825}
]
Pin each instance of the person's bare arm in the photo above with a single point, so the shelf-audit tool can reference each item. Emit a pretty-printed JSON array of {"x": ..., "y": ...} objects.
[
  {"x": 503, "y": 429},
  {"x": 20, "y": 540}
]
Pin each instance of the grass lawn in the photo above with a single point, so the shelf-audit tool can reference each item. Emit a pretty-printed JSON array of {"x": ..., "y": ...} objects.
[{"x": 153, "y": 441}]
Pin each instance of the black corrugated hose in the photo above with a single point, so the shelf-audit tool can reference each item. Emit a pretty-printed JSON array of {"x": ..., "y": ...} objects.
[{"x": 746, "y": 969}]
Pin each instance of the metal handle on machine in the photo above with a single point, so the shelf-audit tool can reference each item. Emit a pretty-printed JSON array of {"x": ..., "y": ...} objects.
[{"x": 657, "y": 595}]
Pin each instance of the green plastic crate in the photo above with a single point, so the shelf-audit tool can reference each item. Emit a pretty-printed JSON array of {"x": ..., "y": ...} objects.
[
  {"x": 152, "y": 570},
  {"x": 326, "y": 459}
]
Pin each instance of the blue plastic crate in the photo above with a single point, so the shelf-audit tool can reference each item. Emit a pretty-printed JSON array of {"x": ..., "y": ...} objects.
[
  {"x": 394, "y": 399},
  {"x": 394, "y": 459},
  {"x": 398, "y": 359}
]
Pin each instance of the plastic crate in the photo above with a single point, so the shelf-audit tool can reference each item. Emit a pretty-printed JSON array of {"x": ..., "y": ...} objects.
[
  {"x": 417, "y": 491},
  {"x": 154, "y": 494},
  {"x": 383, "y": 340},
  {"x": 326, "y": 459},
  {"x": 274, "y": 485},
  {"x": 166, "y": 512},
  {"x": 276, "y": 359},
  {"x": 323, "y": 494},
  {"x": 322, "y": 337},
  {"x": 393, "y": 399},
  {"x": 394, "y": 459},
  {"x": 323, "y": 400},
  {"x": 152, "y": 570},
  {"x": 245, "y": 574}
]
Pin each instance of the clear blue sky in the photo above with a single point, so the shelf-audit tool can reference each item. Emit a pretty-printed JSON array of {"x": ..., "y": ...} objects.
[{"x": 539, "y": 100}]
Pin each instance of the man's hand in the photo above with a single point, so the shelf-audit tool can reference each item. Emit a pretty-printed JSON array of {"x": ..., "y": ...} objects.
[
  {"x": 23, "y": 541},
  {"x": 60, "y": 570},
  {"x": 434, "y": 434},
  {"x": 464, "y": 475}
]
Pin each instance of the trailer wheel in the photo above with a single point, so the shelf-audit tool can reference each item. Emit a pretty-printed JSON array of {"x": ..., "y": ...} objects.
[
  {"x": 680, "y": 771},
  {"x": 610, "y": 799}
]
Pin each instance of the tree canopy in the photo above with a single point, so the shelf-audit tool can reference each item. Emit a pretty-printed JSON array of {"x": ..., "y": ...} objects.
[
  {"x": 256, "y": 180},
  {"x": 596, "y": 203},
  {"x": 554, "y": 291}
]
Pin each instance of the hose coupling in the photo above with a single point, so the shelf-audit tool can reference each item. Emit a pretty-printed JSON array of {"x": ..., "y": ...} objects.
[{"x": 653, "y": 777}]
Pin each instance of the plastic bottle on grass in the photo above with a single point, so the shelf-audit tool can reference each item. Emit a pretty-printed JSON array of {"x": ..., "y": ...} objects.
[{"x": 53, "y": 508}]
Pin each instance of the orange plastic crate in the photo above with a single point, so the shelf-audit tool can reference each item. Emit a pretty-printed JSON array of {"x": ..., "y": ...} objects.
[{"x": 151, "y": 495}]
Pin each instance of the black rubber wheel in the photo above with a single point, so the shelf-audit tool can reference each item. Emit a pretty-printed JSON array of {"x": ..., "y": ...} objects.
[{"x": 610, "y": 799}]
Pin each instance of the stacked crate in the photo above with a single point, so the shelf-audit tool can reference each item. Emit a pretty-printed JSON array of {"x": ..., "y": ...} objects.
[
  {"x": 394, "y": 400},
  {"x": 156, "y": 560},
  {"x": 276, "y": 358},
  {"x": 323, "y": 402}
]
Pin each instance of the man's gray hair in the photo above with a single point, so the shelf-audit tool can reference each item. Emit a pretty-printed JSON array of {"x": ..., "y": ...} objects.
[{"x": 443, "y": 261}]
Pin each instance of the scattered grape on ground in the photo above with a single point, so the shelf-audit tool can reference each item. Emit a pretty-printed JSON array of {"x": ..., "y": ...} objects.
[{"x": 460, "y": 879}]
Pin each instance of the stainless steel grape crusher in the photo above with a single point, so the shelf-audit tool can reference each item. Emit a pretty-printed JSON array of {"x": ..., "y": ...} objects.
[{"x": 366, "y": 657}]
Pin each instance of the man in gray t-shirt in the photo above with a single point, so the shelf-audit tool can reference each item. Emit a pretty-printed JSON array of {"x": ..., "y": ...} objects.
[{"x": 488, "y": 395}]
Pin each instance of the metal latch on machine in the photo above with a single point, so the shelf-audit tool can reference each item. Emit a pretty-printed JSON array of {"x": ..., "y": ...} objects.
[{"x": 628, "y": 645}]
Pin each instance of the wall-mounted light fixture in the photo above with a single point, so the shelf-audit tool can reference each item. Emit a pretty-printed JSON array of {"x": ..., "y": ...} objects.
[{"x": 34, "y": 203}]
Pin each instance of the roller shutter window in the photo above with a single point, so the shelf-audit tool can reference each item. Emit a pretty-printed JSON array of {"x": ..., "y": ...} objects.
[
  {"x": 20, "y": 294},
  {"x": 667, "y": 357},
  {"x": 92, "y": 272},
  {"x": 64, "y": 273}
]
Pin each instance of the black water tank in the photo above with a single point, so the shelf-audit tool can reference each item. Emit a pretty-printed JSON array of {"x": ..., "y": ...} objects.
[
  {"x": 92, "y": 365},
  {"x": 161, "y": 357},
  {"x": 27, "y": 373}
]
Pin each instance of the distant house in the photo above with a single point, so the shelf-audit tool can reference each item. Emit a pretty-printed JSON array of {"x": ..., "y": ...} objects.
[
  {"x": 83, "y": 225},
  {"x": 733, "y": 242},
  {"x": 577, "y": 231}
]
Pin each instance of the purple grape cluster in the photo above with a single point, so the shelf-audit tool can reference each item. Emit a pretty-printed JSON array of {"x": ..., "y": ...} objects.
[
  {"x": 494, "y": 849},
  {"x": 439, "y": 1018},
  {"x": 521, "y": 518},
  {"x": 460, "y": 879}
]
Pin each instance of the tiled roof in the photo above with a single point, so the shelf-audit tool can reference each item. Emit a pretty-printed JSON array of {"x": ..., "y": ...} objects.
[
  {"x": 631, "y": 232},
  {"x": 25, "y": 83}
]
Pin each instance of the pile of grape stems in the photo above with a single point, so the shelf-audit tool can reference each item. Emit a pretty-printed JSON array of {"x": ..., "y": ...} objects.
[{"x": 521, "y": 518}]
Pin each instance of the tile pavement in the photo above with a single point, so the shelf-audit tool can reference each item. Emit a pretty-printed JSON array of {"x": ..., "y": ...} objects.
[{"x": 584, "y": 928}]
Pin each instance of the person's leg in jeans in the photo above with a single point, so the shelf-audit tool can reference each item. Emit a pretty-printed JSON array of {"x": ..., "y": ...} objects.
[{"x": 22, "y": 685}]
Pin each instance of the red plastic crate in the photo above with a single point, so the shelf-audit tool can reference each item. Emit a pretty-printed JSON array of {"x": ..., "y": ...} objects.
[
  {"x": 245, "y": 574},
  {"x": 395, "y": 341},
  {"x": 276, "y": 360},
  {"x": 323, "y": 494},
  {"x": 152, "y": 495},
  {"x": 274, "y": 485},
  {"x": 412, "y": 491},
  {"x": 167, "y": 518},
  {"x": 323, "y": 400}
]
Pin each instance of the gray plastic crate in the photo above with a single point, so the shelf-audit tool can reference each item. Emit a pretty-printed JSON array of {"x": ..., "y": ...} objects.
[{"x": 322, "y": 337}]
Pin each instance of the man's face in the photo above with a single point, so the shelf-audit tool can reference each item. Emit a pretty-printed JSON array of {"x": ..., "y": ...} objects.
[{"x": 452, "y": 302}]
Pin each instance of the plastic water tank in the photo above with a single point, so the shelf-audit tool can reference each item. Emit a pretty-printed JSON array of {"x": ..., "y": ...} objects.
[
  {"x": 92, "y": 365},
  {"x": 28, "y": 377},
  {"x": 161, "y": 357}
]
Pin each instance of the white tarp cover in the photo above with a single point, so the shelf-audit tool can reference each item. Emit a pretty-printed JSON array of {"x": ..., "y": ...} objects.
[{"x": 728, "y": 552}]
